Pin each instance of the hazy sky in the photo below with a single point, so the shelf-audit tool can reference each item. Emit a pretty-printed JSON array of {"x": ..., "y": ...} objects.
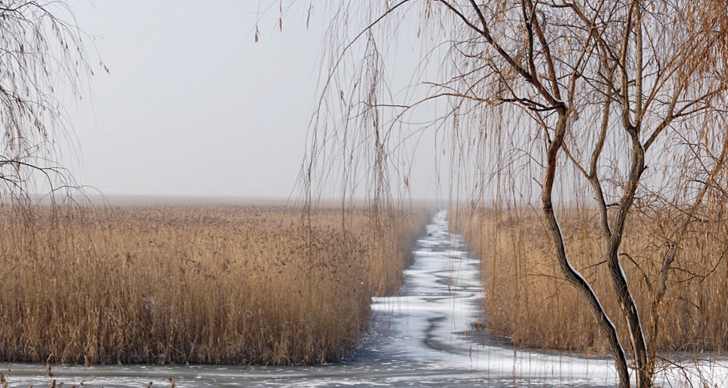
[{"x": 192, "y": 106}]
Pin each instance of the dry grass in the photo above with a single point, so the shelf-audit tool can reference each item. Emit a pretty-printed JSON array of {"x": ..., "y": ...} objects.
[
  {"x": 528, "y": 301},
  {"x": 224, "y": 284}
]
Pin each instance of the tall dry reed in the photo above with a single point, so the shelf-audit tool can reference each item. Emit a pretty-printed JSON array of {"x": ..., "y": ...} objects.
[
  {"x": 226, "y": 284},
  {"x": 528, "y": 301}
]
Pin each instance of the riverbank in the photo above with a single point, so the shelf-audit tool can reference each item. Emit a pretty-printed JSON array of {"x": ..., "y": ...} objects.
[
  {"x": 422, "y": 335},
  {"x": 529, "y": 302},
  {"x": 195, "y": 284}
]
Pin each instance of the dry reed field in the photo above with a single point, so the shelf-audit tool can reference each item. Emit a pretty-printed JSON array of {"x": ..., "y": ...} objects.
[
  {"x": 528, "y": 301},
  {"x": 187, "y": 284}
]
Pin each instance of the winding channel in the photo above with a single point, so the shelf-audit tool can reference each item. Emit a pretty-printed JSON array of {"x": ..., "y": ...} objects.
[{"x": 421, "y": 337}]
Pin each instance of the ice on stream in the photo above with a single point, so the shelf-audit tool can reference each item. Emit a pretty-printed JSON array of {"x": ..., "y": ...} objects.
[{"x": 421, "y": 337}]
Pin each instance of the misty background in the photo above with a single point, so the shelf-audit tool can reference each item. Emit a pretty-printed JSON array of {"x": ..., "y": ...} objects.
[{"x": 193, "y": 106}]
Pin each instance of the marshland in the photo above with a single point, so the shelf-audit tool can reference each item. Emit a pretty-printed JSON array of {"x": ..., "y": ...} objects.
[
  {"x": 216, "y": 284},
  {"x": 528, "y": 300},
  {"x": 408, "y": 193},
  {"x": 198, "y": 294}
]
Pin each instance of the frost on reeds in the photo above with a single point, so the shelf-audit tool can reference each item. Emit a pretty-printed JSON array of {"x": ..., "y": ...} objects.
[
  {"x": 194, "y": 285},
  {"x": 528, "y": 301}
]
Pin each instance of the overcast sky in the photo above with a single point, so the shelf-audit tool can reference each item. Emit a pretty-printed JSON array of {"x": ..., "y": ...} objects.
[{"x": 192, "y": 106}]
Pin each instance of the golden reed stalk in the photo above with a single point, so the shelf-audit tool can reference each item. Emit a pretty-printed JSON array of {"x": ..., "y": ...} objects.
[
  {"x": 528, "y": 301},
  {"x": 186, "y": 284}
]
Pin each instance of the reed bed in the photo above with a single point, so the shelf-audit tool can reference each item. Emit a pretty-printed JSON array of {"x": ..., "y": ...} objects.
[
  {"x": 186, "y": 284},
  {"x": 528, "y": 301}
]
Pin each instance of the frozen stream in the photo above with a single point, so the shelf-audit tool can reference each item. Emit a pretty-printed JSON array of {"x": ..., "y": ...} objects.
[{"x": 421, "y": 337}]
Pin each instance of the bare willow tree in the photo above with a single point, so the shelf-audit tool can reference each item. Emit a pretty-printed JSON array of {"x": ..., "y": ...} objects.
[
  {"x": 42, "y": 60},
  {"x": 626, "y": 97}
]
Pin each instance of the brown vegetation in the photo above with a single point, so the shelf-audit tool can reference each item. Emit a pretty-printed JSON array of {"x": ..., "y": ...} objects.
[
  {"x": 225, "y": 284},
  {"x": 528, "y": 300}
]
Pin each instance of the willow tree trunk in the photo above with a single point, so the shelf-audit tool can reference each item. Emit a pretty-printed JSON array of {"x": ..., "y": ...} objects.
[{"x": 572, "y": 275}]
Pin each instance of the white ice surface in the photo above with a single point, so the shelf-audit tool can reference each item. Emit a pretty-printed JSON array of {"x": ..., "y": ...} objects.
[{"x": 421, "y": 337}]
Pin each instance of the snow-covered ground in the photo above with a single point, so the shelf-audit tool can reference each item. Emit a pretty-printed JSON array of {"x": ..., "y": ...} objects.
[{"x": 420, "y": 338}]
